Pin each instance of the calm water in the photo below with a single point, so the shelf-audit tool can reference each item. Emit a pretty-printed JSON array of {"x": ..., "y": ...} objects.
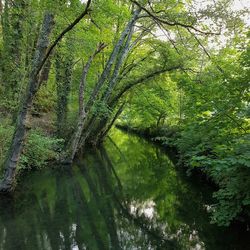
[{"x": 127, "y": 195}]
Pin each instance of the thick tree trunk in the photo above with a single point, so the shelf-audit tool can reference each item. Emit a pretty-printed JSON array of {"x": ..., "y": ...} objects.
[
  {"x": 13, "y": 22},
  {"x": 33, "y": 86}
]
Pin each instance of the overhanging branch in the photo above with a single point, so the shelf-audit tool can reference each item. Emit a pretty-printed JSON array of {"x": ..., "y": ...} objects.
[
  {"x": 61, "y": 35},
  {"x": 187, "y": 26},
  {"x": 141, "y": 80}
]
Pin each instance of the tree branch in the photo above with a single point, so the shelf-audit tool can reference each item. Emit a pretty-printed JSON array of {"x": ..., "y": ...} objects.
[
  {"x": 156, "y": 18},
  {"x": 141, "y": 80},
  {"x": 61, "y": 35},
  {"x": 86, "y": 67}
]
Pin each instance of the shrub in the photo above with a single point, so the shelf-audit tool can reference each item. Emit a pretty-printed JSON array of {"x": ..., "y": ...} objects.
[
  {"x": 39, "y": 149},
  {"x": 226, "y": 160}
]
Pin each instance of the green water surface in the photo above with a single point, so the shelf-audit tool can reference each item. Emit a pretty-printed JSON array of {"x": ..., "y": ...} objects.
[{"x": 126, "y": 195}]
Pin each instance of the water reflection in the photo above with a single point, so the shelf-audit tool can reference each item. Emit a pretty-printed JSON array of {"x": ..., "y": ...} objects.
[{"x": 127, "y": 195}]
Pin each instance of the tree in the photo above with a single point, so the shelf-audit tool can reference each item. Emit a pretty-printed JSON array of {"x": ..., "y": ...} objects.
[{"x": 42, "y": 54}]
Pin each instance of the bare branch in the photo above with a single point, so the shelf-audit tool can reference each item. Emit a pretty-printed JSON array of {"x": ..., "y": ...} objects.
[{"x": 156, "y": 18}]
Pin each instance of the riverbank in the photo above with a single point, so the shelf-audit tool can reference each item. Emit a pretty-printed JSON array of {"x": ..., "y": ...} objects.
[
  {"x": 155, "y": 136},
  {"x": 41, "y": 148},
  {"x": 165, "y": 140}
]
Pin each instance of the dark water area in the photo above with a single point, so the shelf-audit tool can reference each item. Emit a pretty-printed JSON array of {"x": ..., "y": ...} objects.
[{"x": 126, "y": 195}]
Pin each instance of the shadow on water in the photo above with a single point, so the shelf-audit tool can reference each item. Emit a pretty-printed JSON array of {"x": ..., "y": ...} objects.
[{"x": 126, "y": 195}]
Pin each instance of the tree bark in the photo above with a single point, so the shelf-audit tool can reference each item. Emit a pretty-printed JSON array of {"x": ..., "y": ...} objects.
[
  {"x": 13, "y": 47},
  {"x": 21, "y": 129},
  {"x": 105, "y": 129},
  {"x": 74, "y": 141},
  {"x": 64, "y": 70},
  {"x": 123, "y": 54},
  {"x": 118, "y": 55},
  {"x": 115, "y": 53}
]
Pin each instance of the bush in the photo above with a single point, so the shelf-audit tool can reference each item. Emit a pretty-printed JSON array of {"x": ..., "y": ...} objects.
[
  {"x": 39, "y": 149},
  {"x": 226, "y": 160}
]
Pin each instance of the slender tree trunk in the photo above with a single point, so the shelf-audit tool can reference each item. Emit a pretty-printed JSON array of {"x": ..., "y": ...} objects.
[
  {"x": 120, "y": 51},
  {"x": 106, "y": 129},
  {"x": 33, "y": 86},
  {"x": 1, "y": 7},
  {"x": 74, "y": 141},
  {"x": 123, "y": 54},
  {"x": 115, "y": 53}
]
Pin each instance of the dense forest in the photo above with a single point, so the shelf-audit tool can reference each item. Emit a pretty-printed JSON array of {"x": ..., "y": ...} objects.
[{"x": 175, "y": 72}]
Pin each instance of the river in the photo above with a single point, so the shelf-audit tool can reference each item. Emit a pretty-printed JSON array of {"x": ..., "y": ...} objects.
[{"x": 126, "y": 195}]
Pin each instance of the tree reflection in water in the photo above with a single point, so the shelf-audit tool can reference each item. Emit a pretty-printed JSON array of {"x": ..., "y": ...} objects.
[{"x": 126, "y": 195}]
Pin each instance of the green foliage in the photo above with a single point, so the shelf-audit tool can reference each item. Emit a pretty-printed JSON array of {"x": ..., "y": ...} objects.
[
  {"x": 101, "y": 110},
  {"x": 215, "y": 136},
  {"x": 210, "y": 108},
  {"x": 202, "y": 107},
  {"x": 6, "y": 132},
  {"x": 38, "y": 150},
  {"x": 46, "y": 98}
]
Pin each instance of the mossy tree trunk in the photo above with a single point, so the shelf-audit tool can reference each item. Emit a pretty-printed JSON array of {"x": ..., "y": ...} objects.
[
  {"x": 22, "y": 119},
  {"x": 64, "y": 69},
  {"x": 13, "y": 47}
]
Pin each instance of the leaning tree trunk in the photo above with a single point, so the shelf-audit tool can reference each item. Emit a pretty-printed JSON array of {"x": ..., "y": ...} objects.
[
  {"x": 117, "y": 56},
  {"x": 121, "y": 51},
  {"x": 105, "y": 127},
  {"x": 33, "y": 86},
  {"x": 74, "y": 141}
]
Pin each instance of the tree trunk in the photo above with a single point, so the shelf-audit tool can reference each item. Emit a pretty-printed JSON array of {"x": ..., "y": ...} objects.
[
  {"x": 104, "y": 131},
  {"x": 114, "y": 55},
  {"x": 74, "y": 141},
  {"x": 13, "y": 19},
  {"x": 121, "y": 57},
  {"x": 33, "y": 86},
  {"x": 118, "y": 55}
]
